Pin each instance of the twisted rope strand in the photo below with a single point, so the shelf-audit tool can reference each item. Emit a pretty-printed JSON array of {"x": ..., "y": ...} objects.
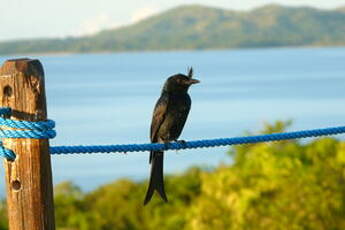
[{"x": 198, "y": 143}]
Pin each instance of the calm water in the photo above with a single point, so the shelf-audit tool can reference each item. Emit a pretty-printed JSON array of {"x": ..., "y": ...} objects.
[{"x": 108, "y": 99}]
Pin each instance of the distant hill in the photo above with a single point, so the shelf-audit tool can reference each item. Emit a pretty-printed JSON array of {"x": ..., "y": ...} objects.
[
  {"x": 200, "y": 27},
  {"x": 342, "y": 9}
]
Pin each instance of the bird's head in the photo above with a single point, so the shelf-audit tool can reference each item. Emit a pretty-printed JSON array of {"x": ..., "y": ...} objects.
[{"x": 180, "y": 82}]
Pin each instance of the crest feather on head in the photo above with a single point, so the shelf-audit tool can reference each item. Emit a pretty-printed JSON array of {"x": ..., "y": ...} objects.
[{"x": 190, "y": 72}]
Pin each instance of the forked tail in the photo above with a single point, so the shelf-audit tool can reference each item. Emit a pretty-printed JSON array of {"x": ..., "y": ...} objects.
[{"x": 156, "y": 177}]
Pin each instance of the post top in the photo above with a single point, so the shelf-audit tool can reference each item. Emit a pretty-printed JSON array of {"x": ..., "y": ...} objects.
[{"x": 24, "y": 65}]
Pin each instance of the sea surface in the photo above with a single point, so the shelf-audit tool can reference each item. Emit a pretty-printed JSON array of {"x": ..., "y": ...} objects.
[{"x": 109, "y": 98}]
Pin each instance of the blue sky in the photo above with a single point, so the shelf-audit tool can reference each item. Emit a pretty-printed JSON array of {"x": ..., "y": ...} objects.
[{"x": 46, "y": 18}]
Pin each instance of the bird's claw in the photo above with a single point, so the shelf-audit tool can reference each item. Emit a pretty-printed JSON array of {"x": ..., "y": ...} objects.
[{"x": 182, "y": 142}]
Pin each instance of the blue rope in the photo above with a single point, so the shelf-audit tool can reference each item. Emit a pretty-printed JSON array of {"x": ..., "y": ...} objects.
[
  {"x": 22, "y": 129},
  {"x": 6, "y": 153},
  {"x": 40, "y": 125},
  {"x": 196, "y": 144},
  {"x": 44, "y": 129}
]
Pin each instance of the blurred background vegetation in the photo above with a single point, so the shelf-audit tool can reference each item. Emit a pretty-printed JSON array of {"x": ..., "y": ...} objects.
[{"x": 281, "y": 185}]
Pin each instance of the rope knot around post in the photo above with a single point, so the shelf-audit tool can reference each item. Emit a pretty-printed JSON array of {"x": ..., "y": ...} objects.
[{"x": 22, "y": 129}]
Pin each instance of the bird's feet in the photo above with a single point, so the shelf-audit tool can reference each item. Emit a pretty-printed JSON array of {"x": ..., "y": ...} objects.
[
  {"x": 167, "y": 143},
  {"x": 182, "y": 142}
]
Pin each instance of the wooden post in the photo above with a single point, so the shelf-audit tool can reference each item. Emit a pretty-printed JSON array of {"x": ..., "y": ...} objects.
[{"x": 28, "y": 177}]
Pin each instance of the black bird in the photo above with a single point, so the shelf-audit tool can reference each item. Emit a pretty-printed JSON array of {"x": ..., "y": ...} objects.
[{"x": 169, "y": 117}]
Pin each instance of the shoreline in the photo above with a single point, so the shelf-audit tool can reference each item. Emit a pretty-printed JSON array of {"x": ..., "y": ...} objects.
[{"x": 63, "y": 53}]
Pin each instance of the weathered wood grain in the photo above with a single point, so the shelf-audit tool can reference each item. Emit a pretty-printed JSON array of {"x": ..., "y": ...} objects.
[{"x": 28, "y": 177}]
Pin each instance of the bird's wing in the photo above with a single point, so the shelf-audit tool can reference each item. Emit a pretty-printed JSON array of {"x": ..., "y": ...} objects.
[
  {"x": 159, "y": 116},
  {"x": 182, "y": 115}
]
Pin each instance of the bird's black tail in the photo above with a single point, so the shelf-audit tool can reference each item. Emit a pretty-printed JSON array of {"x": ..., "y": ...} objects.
[{"x": 156, "y": 177}]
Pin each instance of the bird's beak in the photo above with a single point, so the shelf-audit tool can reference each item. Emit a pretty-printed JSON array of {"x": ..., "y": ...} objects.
[{"x": 193, "y": 81}]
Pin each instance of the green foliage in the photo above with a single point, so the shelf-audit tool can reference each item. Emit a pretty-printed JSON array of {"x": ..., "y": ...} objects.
[
  {"x": 69, "y": 206},
  {"x": 281, "y": 185},
  {"x": 3, "y": 215},
  {"x": 199, "y": 27},
  {"x": 119, "y": 205}
]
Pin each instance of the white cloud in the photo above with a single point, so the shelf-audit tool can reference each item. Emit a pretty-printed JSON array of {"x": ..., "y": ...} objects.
[
  {"x": 142, "y": 13},
  {"x": 93, "y": 25},
  {"x": 104, "y": 21}
]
